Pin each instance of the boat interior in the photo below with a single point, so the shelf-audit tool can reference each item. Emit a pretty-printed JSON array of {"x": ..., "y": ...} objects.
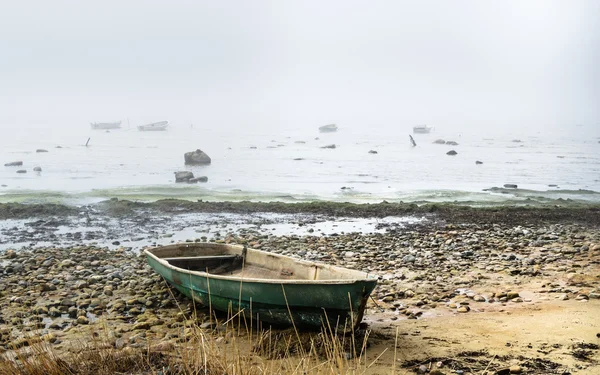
[{"x": 238, "y": 261}]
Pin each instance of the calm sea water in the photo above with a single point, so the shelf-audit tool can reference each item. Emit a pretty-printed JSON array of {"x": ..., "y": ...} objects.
[{"x": 260, "y": 165}]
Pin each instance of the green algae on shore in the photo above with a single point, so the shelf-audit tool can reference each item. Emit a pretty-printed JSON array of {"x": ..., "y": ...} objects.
[{"x": 560, "y": 211}]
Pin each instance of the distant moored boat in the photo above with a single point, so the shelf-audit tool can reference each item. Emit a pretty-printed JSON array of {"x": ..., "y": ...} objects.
[
  {"x": 421, "y": 129},
  {"x": 155, "y": 126},
  {"x": 328, "y": 128},
  {"x": 106, "y": 125}
]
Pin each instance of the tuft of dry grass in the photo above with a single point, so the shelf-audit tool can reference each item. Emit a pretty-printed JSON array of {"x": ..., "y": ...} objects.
[{"x": 235, "y": 348}]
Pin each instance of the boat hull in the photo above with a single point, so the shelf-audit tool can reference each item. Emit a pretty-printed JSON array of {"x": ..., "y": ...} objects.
[
  {"x": 157, "y": 126},
  {"x": 328, "y": 128},
  {"x": 421, "y": 130},
  {"x": 301, "y": 304},
  {"x": 105, "y": 125}
]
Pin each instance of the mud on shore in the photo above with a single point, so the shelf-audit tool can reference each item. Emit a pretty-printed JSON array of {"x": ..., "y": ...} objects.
[{"x": 561, "y": 211}]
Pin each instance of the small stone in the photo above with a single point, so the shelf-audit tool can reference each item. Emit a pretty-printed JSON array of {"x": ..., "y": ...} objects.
[
  {"x": 67, "y": 302},
  {"x": 463, "y": 309},
  {"x": 515, "y": 369},
  {"x": 82, "y": 320},
  {"x": 14, "y": 164},
  {"x": 511, "y": 295},
  {"x": 10, "y": 254},
  {"x": 119, "y": 343},
  {"x": 49, "y": 337},
  {"x": 142, "y": 325},
  {"x": 54, "y": 312},
  {"x": 72, "y": 311},
  {"x": 41, "y": 310}
]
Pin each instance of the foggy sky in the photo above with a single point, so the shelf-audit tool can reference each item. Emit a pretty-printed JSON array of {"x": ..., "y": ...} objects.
[{"x": 301, "y": 63}]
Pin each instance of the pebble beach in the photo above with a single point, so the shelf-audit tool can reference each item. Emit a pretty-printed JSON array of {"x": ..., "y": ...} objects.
[{"x": 440, "y": 284}]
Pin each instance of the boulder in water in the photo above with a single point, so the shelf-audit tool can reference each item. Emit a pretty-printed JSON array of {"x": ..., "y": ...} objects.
[
  {"x": 439, "y": 142},
  {"x": 510, "y": 186},
  {"x": 22, "y": 171},
  {"x": 41, "y": 150},
  {"x": 478, "y": 162},
  {"x": 332, "y": 146},
  {"x": 452, "y": 143},
  {"x": 37, "y": 169},
  {"x": 13, "y": 164},
  {"x": 183, "y": 176},
  {"x": 372, "y": 152},
  {"x": 198, "y": 179},
  {"x": 452, "y": 153},
  {"x": 197, "y": 157}
]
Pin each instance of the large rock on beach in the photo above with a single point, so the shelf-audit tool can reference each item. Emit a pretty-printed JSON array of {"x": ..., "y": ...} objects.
[
  {"x": 451, "y": 153},
  {"x": 14, "y": 164},
  {"x": 183, "y": 176},
  {"x": 197, "y": 157}
]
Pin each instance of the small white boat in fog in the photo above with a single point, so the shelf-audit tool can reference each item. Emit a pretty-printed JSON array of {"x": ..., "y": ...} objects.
[
  {"x": 155, "y": 126},
  {"x": 421, "y": 129},
  {"x": 105, "y": 125},
  {"x": 328, "y": 128}
]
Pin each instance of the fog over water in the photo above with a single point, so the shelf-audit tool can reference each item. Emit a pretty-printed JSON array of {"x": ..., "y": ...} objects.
[{"x": 229, "y": 76}]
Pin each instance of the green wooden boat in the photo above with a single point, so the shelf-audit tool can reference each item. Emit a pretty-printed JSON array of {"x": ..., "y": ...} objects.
[{"x": 272, "y": 288}]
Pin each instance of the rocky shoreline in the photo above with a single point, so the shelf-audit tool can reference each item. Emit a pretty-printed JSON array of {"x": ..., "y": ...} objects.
[
  {"x": 60, "y": 294},
  {"x": 528, "y": 213}
]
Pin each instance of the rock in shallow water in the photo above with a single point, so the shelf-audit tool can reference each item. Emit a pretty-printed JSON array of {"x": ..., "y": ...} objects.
[
  {"x": 197, "y": 157},
  {"x": 183, "y": 176}
]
